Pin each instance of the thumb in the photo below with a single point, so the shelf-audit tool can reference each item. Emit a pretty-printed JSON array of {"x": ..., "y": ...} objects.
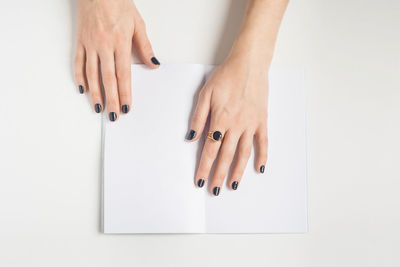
[
  {"x": 143, "y": 46},
  {"x": 200, "y": 115}
]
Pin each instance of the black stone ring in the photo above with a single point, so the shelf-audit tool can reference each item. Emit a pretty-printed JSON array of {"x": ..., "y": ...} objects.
[{"x": 215, "y": 136}]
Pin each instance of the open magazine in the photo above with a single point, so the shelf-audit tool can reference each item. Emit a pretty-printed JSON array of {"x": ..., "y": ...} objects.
[{"x": 148, "y": 167}]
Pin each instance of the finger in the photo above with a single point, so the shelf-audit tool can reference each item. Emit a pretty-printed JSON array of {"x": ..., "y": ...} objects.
[
  {"x": 262, "y": 147},
  {"x": 93, "y": 78},
  {"x": 110, "y": 84},
  {"x": 243, "y": 155},
  {"x": 123, "y": 70},
  {"x": 225, "y": 157},
  {"x": 200, "y": 115},
  {"x": 143, "y": 46},
  {"x": 79, "y": 66},
  {"x": 208, "y": 156}
]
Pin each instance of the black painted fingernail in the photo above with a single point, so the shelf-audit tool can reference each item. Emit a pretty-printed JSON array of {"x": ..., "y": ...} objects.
[
  {"x": 191, "y": 134},
  {"x": 155, "y": 61},
  {"x": 113, "y": 116},
  {"x": 235, "y": 185},
  {"x": 97, "y": 108},
  {"x": 200, "y": 183},
  {"x": 216, "y": 191},
  {"x": 262, "y": 168},
  {"x": 125, "y": 108},
  {"x": 81, "y": 90}
]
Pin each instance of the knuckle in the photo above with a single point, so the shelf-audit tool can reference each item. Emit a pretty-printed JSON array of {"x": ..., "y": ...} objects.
[
  {"x": 108, "y": 76},
  {"x": 208, "y": 152},
  {"x": 121, "y": 39},
  {"x": 263, "y": 141},
  {"x": 263, "y": 156},
  {"x": 220, "y": 116},
  {"x": 197, "y": 119},
  {"x": 103, "y": 49},
  {"x": 91, "y": 72},
  {"x": 125, "y": 94},
  {"x": 77, "y": 61},
  {"x": 237, "y": 174},
  {"x": 78, "y": 74},
  {"x": 125, "y": 99},
  {"x": 218, "y": 178},
  {"x": 242, "y": 120},
  {"x": 100, "y": 36},
  {"x": 245, "y": 152},
  {"x": 224, "y": 113},
  {"x": 203, "y": 94},
  {"x": 112, "y": 103},
  {"x": 263, "y": 151},
  {"x": 123, "y": 74},
  {"x": 229, "y": 152},
  {"x": 94, "y": 93},
  {"x": 147, "y": 47}
]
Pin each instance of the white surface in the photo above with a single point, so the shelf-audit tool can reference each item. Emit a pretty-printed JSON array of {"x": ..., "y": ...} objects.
[
  {"x": 50, "y": 138},
  {"x": 149, "y": 177}
]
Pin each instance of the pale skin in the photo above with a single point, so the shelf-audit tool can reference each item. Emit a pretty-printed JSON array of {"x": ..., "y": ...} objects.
[
  {"x": 106, "y": 32},
  {"x": 234, "y": 99}
]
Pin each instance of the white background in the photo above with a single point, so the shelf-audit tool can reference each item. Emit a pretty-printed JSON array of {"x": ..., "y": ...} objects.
[{"x": 50, "y": 138}]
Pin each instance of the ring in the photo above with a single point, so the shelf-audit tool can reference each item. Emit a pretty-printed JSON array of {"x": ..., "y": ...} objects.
[{"x": 214, "y": 135}]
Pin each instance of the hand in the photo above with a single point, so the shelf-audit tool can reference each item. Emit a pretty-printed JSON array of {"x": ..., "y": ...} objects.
[
  {"x": 104, "y": 43},
  {"x": 236, "y": 98}
]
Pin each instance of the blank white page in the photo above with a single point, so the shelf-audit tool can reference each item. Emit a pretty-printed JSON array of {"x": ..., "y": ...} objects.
[{"x": 148, "y": 167}]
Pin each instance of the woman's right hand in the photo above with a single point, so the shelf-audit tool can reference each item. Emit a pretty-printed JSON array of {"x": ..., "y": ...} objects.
[{"x": 106, "y": 30}]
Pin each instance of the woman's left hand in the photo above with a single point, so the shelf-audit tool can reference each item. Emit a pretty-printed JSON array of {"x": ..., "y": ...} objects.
[{"x": 236, "y": 97}]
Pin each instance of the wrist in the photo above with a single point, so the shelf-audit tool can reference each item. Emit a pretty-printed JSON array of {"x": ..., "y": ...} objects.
[
  {"x": 255, "y": 42},
  {"x": 250, "y": 60},
  {"x": 251, "y": 52}
]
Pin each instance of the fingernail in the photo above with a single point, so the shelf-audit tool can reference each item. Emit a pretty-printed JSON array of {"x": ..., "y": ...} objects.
[
  {"x": 191, "y": 134},
  {"x": 235, "y": 185},
  {"x": 113, "y": 116},
  {"x": 81, "y": 90},
  {"x": 125, "y": 108},
  {"x": 262, "y": 168},
  {"x": 216, "y": 191},
  {"x": 155, "y": 61},
  {"x": 97, "y": 108},
  {"x": 200, "y": 183}
]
